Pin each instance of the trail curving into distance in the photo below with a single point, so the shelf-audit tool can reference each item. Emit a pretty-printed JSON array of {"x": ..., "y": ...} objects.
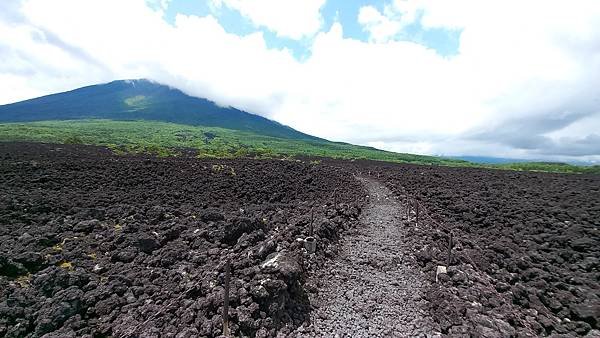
[{"x": 370, "y": 289}]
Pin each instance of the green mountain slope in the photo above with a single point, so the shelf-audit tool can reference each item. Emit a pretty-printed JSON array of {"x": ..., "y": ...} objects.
[
  {"x": 166, "y": 138},
  {"x": 142, "y": 99}
]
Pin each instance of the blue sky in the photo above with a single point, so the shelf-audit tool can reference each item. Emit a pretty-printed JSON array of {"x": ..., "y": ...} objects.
[{"x": 443, "y": 41}]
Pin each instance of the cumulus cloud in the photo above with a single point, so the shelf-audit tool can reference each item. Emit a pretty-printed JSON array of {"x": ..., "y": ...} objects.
[
  {"x": 287, "y": 18},
  {"x": 522, "y": 84}
]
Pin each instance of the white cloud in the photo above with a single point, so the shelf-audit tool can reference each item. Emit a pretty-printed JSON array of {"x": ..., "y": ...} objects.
[
  {"x": 381, "y": 28},
  {"x": 519, "y": 87},
  {"x": 287, "y": 18}
]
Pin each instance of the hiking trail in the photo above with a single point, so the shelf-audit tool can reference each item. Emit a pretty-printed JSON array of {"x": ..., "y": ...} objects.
[{"x": 371, "y": 289}]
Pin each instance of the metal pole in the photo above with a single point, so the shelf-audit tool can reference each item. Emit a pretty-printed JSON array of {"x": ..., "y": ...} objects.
[{"x": 226, "y": 300}]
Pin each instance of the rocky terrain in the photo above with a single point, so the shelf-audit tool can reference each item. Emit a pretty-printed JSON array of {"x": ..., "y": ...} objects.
[
  {"x": 373, "y": 287},
  {"x": 526, "y": 248},
  {"x": 98, "y": 245}
]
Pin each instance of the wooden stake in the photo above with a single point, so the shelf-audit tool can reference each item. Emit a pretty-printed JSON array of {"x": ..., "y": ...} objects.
[
  {"x": 226, "y": 300},
  {"x": 417, "y": 212},
  {"x": 449, "y": 250},
  {"x": 335, "y": 198},
  {"x": 312, "y": 219}
]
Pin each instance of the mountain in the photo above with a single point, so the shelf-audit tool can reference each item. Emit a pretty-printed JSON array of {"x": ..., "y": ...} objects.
[{"x": 146, "y": 100}]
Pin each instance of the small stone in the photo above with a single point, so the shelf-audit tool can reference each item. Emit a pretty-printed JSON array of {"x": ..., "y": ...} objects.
[
  {"x": 25, "y": 238},
  {"x": 502, "y": 287},
  {"x": 97, "y": 268},
  {"x": 440, "y": 270},
  {"x": 86, "y": 226},
  {"x": 588, "y": 312},
  {"x": 147, "y": 243}
]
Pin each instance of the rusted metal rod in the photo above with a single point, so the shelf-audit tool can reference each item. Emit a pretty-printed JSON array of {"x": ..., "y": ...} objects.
[{"x": 226, "y": 299}]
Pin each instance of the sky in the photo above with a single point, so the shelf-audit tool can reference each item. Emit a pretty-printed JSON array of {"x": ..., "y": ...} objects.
[{"x": 507, "y": 78}]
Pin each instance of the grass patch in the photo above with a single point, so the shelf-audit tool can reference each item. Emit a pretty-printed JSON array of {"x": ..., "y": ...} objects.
[
  {"x": 550, "y": 167},
  {"x": 66, "y": 265},
  {"x": 135, "y": 100},
  {"x": 24, "y": 281}
]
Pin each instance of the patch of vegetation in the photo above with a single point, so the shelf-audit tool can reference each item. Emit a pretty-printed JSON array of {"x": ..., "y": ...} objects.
[
  {"x": 24, "y": 281},
  {"x": 151, "y": 149},
  {"x": 73, "y": 139},
  {"x": 165, "y": 139},
  {"x": 223, "y": 168},
  {"x": 168, "y": 139},
  {"x": 550, "y": 167},
  {"x": 66, "y": 265},
  {"x": 135, "y": 101}
]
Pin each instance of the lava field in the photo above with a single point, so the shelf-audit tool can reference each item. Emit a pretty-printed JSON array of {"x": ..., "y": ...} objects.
[
  {"x": 98, "y": 245},
  {"x": 526, "y": 248}
]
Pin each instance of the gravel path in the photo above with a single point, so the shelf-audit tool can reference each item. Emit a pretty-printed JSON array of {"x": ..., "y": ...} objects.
[{"x": 371, "y": 289}]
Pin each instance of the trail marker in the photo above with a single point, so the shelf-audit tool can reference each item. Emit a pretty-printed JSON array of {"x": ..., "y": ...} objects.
[
  {"x": 226, "y": 299},
  {"x": 417, "y": 212},
  {"x": 312, "y": 219},
  {"x": 449, "y": 250},
  {"x": 335, "y": 198}
]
